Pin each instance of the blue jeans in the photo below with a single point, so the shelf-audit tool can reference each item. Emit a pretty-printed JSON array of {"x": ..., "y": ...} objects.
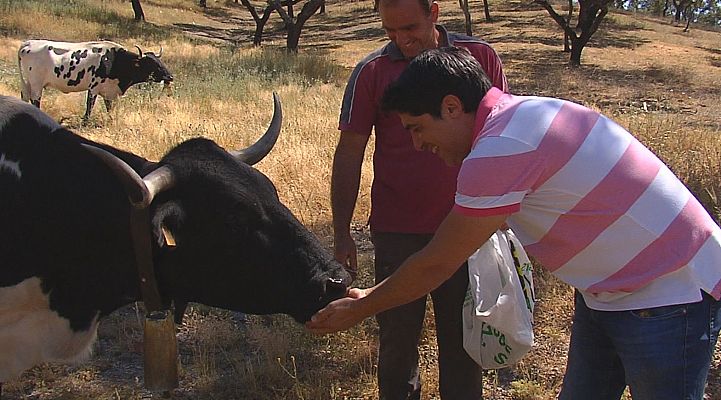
[{"x": 660, "y": 353}]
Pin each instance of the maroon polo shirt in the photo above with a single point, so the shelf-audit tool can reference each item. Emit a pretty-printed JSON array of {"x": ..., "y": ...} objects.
[{"x": 412, "y": 190}]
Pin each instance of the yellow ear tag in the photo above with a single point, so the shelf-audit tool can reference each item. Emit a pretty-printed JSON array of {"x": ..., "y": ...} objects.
[{"x": 169, "y": 239}]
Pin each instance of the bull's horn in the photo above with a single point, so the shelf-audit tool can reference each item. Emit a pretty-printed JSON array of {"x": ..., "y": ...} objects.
[
  {"x": 161, "y": 51},
  {"x": 140, "y": 52},
  {"x": 262, "y": 147},
  {"x": 159, "y": 181},
  {"x": 141, "y": 191}
]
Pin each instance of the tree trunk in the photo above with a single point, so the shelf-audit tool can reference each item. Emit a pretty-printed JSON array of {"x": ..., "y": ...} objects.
[
  {"x": 293, "y": 39},
  {"x": 467, "y": 15},
  {"x": 678, "y": 6},
  {"x": 138, "y": 10},
  {"x": 677, "y": 15},
  {"x": 590, "y": 15},
  {"x": 259, "y": 21},
  {"x": 486, "y": 11},
  {"x": 576, "y": 49},
  {"x": 260, "y": 25},
  {"x": 294, "y": 26},
  {"x": 689, "y": 16},
  {"x": 566, "y": 37}
]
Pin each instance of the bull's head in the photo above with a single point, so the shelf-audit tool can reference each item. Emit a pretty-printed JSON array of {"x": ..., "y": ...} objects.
[
  {"x": 152, "y": 67},
  {"x": 236, "y": 246}
]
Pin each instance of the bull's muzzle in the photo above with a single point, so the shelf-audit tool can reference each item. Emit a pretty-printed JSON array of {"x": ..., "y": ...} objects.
[{"x": 335, "y": 288}]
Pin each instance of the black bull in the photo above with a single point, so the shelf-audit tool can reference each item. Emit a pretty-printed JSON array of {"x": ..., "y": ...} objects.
[{"x": 64, "y": 219}]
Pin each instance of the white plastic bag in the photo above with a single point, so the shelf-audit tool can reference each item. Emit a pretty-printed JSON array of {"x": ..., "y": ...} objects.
[{"x": 498, "y": 309}]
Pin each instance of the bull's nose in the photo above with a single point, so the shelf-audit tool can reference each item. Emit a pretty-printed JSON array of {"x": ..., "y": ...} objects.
[{"x": 334, "y": 287}]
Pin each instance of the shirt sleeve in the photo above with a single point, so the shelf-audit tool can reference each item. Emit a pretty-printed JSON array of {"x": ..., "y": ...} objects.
[
  {"x": 358, "y": 109},
  {"x": 492, "y": 65},
  {"x": 496, "y": 177}
]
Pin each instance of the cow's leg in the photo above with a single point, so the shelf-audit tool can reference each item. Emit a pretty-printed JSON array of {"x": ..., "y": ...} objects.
[
  {"x": 108, "y": 104},
  {"x": 34, "y": 91},
  {"x": 33, "y": 97},
  {"x": 89, "y": 106}
]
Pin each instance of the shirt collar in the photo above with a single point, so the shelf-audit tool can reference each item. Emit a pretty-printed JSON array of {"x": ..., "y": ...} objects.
[
  {"x": 443, "y": 41},
  {"x": 484, "y": 109}
]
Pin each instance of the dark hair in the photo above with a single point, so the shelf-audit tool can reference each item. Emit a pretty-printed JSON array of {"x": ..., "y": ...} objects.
[
  {"x": 431, "y": 76},
  {"x": 425, "y": 4}
]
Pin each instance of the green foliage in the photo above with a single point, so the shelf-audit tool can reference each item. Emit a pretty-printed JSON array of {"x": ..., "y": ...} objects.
[
  {"x": 706, "y": 12},
  {"x": 710, "y": 12},
  {"x": 229, "y": 76},
  {"x": 280, "y": 66}
]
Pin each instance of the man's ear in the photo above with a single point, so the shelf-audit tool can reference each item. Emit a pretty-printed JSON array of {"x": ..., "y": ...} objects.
[
  {"x": 451, "y": 107},
  {"x": 434, "y": 11}
]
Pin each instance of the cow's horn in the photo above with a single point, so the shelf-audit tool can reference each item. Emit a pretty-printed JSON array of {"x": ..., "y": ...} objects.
[
  {"x": 159, "y": 180},
  {"x": 262, "y": 147},
  {"x": 161, "y": 51},
  {"x": 140, "y": 52},
  {"x": 141, "y": 191}
]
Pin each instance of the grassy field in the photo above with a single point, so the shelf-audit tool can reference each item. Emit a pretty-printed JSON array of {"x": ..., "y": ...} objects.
[{"x": 661, "y": 83}]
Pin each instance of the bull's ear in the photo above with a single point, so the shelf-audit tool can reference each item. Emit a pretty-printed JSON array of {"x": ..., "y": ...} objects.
[
  {"x": 167, "y": 225},
  {"x": 106, "y": 63}
]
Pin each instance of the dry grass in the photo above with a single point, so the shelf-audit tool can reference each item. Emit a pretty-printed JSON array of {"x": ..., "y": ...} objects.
[{"x": 659, "y": 82}]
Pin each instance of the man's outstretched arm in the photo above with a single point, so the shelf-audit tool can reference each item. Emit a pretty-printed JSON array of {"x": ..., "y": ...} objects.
[{"x": 456, "y": 239}]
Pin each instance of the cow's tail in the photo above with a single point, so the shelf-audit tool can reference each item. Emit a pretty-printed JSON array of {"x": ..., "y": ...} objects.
[{"x": 24, "y": 87}]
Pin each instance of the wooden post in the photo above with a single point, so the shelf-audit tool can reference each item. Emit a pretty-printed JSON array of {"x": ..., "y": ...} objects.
[{"x": 160, "y": 352}]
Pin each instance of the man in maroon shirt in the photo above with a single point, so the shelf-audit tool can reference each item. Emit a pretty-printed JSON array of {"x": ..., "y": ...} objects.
[{"x": 411, "y": 194}]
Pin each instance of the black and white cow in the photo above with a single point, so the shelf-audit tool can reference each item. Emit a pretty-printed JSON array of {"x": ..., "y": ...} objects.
[
  {"x": 102, "y": 68},
  {"x": 66, "y": 255}
]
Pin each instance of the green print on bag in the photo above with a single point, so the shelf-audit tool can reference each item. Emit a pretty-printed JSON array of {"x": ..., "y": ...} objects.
[
  {"x": 489, "y": 330},
  {"x": 524, "y": 274}
]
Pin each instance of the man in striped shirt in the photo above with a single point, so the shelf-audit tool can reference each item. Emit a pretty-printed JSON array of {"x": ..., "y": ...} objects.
[{"x": 587, "y": 200}]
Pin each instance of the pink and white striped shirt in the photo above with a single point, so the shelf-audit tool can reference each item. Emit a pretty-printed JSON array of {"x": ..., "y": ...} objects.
[{"x": 590, "y": 202}]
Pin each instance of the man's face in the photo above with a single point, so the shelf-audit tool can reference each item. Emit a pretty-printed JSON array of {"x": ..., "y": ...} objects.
[
  {"x": 408, "y": 25},
  {"x": 445, "y": 137}
]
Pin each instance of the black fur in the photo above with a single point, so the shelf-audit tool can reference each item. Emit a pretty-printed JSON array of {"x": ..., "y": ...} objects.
[{"x": 66, "y": 221}]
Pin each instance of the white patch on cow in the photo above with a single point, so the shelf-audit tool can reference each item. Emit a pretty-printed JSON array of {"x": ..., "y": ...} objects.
[
  {"x": 7, "y": 165},
  {"x": 110, "y": 89},
  {"x": 31, "y": 333}
]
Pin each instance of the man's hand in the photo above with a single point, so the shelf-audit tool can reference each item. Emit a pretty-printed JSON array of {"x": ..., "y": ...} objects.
[
  {"x": 338, "y": 315},
  {"x": 346, "y": 254}
]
